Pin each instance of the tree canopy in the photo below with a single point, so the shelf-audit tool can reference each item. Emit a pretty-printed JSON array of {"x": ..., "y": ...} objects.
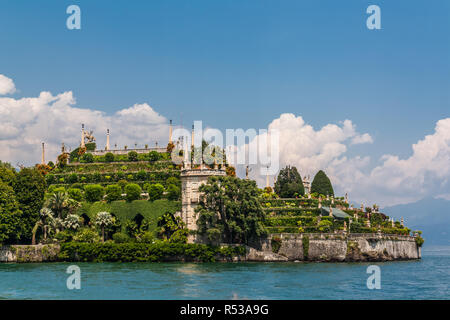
[
  {"x": 289, "y": 183},
  {"x": 10, "y": 214},
  {"x": 230, "y": 210},
  {"x": 322, "y": 184},
  {"x": 29, "y": 186}
]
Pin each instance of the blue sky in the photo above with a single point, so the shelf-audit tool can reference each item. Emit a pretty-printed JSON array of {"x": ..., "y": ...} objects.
[{"x": 242, "y": 63}]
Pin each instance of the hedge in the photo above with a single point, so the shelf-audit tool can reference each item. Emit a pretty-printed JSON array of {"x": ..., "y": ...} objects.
[
  {"x": 125, "y": 211},
  {"x": 293, "y": 211},
  {"x": 149, "y": 156},
  {"x": 142, "y": 252},
  {"x": 291, "y": 221},
  {"x": 108, "y": 177}
]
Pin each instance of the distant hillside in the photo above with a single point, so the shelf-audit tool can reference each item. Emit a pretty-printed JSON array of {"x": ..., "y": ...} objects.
[{"x": 432, "y": 216}]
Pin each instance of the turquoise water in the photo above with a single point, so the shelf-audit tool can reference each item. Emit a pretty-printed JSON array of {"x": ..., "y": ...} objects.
[{"x": 428, "y": 278}]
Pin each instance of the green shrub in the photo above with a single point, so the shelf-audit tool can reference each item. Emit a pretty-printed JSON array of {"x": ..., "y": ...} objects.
[
  {"x": 50, "y": 178},
  {"x": 72, "y": 178},
  {"x": 325, "y": 225},
  {"x": 173, "y": 192},
  {"x": 113, "y": 192},
  {"x": 86, "y": 235},
  {"x": 172, "y": 180},
  {"x": 144, "y": 252},
  {"x": 88, "y": 158},
  {"x": 419, "y": 241},
  {"x": 122, "y": 183},
  {"x": 120, "y": 237},
  {"x": 77, "y": 186},
  {"x": 65, "y": 236},
  {"x": 133, "y": 192},
  {"x": 56, "y": 189},
  {"x": 132, "y": 156},
  {"x": 153, "y": 156},
  {"x": 90, "y": 146},
  {"x": 109, "y": 157},
  {"x": 75, "y": 194},
  {"x": 179, "y": 236},
  {"x": 141, "y": 175},
  {"x": 93, "y": 192},
  {"x": 155, "y": 191},
  {"x": 147, "y": 237}
]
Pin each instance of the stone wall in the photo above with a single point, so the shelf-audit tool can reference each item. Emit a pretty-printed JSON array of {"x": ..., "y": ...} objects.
[
  {"x": 29, "y": 253},
  {"x": 293, "y": 247},
  {"x": 335, "y": 247}
]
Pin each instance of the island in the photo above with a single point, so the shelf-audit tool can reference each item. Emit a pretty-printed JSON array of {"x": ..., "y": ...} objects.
[{"x": 136, "y": 204}]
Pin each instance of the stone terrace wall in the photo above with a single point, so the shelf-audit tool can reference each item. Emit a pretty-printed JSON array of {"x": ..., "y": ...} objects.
[
  {"x": 336, "y": 247},
  {"x": 29, "y": 253}
]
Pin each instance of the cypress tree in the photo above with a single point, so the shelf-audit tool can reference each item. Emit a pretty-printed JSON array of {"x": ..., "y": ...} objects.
[
  {"x": 322, "y": 184},
  {"x": 289, "y": 183}
]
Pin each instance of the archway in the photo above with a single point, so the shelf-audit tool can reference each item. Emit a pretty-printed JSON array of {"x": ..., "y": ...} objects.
[
  {"x": 138, "y": 220},
  {"x": 86, "y": 220}
]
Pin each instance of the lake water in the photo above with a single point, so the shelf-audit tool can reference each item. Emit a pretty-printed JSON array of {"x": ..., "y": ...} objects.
[{"x": 428, "y": 278}]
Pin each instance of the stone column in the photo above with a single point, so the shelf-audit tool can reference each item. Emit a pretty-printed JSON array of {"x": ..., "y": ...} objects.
[
  {"x": 170, "y": 131},
  {"x": 43, "y": 154},
  {"x": 107, "y": 140},
  {"x": 82, "y": 136}
]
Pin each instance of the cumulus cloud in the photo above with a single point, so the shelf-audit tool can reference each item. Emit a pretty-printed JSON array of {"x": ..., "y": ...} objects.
[
  {"x": 310, "y": 149},
  {"x": 393, "y": 181},
  {"x": 6, "y": 85},
  {"x": 425, "y": 173},
  {"x": 365, "y": 138},
  {"x": 53, "y": 119}
]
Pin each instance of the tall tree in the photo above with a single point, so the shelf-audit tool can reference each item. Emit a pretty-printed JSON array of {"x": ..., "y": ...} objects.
[
  {"x": 322, "y": 184},
  {"x": 29, "y": 187},
  {"x": 230, "y": 209},
  {"x": 289, "y": 183},
  {"x": 45, "y": 222},
  {"x": 10, "y": 214},
  {"x": 7, "y": 175}
]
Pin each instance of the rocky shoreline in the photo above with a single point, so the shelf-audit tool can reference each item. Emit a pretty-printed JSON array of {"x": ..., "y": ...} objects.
[{"x": 275, "y": 248}]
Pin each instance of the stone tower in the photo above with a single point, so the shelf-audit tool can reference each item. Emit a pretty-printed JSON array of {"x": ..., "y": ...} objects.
[
  {"x": 191, "y": 180},
  {"x": 307, "y": 184}
]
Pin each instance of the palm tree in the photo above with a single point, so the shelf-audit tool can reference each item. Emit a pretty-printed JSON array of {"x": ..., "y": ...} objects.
[
  {"x": 60, "y": 202},
  {"x": 45, "y": 221},
  {"x": 104, "y": 219}
]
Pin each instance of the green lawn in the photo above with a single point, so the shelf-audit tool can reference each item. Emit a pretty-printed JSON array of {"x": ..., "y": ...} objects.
[{"x": 128, "y": 210}]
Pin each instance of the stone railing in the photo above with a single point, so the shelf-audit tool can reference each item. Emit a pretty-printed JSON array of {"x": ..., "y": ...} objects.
[
  {"x": 341, "y": 236},
  {"x": 125, "y": 151}
]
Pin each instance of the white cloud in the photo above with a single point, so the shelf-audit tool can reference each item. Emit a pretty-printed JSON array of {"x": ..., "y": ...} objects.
[
  {"x": 27, "y": 122},
  {"x": 425, "y": 173},
  {"x": 365, "y": 138},
  {"x": 6, "y": 85},
  {"x": 309, "y": 149}
]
